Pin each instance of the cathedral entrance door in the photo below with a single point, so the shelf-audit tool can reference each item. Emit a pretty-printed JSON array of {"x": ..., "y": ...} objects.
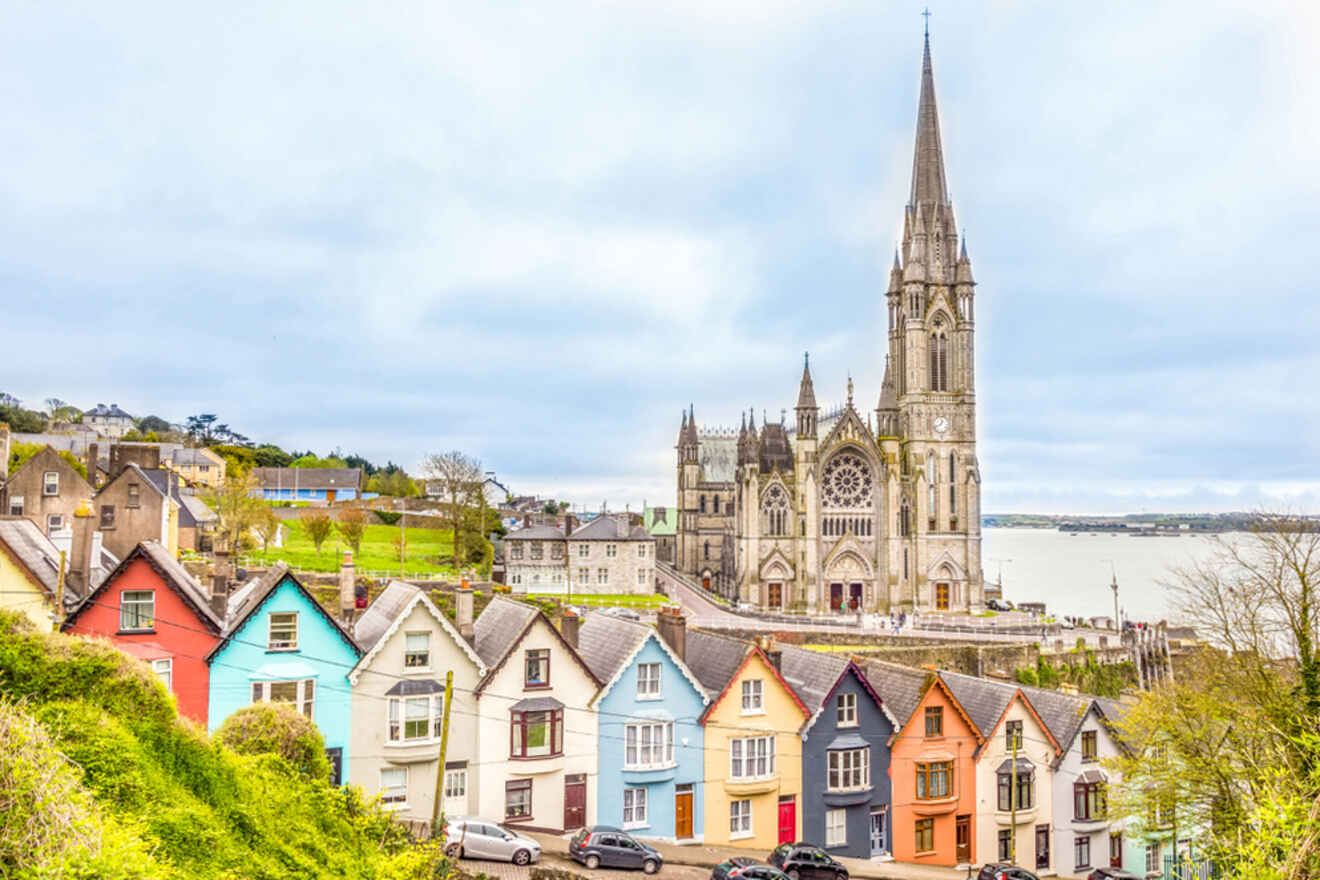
[
  {"x": 705, "y": 583},
  {"x": 775, "y": 595},
  {"x": 836, "y": 597},
  {"x": 854, "y": 597},
  {"x": 942, "y": 596}
]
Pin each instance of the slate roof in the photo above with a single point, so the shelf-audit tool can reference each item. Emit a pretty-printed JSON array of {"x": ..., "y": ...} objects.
[
  {"x": 497, "y": 628},
  {"x": 197, "y": 509},
  {"x": 606, "y": 642},
  {"x": 308, "y": 478},
  {"x": 243, "y": 603},
  {"x": 811, "y": 673},
  {"x": 111, "y": 411},
  {"x": 242, "y": 600},
  {"x": 185, "y": 455},
  {"x": 714, "y": 659},
  {"x": 536, "y": 533},
  {"x": 900, "y": 687},
  {"x": 609, "y": 528},
  {"x": 174, "y": 571},
  {"x": 192, "y": 510},
  {"x": 985, "y": 700},
  {"x": 377, "y": 619},
  {"x": 25, "y": 540}
]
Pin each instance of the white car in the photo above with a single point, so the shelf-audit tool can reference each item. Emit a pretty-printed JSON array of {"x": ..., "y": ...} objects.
[{"x": 473, "y": 838}]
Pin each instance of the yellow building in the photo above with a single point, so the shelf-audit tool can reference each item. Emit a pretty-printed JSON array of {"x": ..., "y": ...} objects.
[
  {"x": 754, "y": 758},
  {"x": 197, "y": 467},
  {"x": 30, "y": 566}
]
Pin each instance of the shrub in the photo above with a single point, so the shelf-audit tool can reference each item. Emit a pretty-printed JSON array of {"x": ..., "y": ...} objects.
[{"x": 277, "y": 729}]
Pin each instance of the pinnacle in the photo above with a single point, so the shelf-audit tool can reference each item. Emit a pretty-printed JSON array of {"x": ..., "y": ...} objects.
[
  {"x": 806, "y": 392},
  {"x": 928, "y": 185}
]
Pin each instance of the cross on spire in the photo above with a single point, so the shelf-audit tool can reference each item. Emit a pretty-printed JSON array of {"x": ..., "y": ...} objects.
[{"x": 926, "y": 15}]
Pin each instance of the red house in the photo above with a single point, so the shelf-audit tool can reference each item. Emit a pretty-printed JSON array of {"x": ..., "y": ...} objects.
[{"x": 152, "y": 608}]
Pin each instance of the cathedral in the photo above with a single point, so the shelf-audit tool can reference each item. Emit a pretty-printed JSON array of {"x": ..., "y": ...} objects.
[{"x": 849, "y": 511}]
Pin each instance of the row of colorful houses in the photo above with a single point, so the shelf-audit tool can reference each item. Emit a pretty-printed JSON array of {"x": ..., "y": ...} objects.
[{"x": 678, "y": 735}]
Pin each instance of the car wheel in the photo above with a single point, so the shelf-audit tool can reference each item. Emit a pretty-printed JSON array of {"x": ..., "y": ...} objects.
[
  {"x": 593, "y": 861},
  {"x": 794, "y": 875},
  {"x": 454, "y": 851},
  {"x": 522, "y": 857},
  {"x": 650, "y": 866}
]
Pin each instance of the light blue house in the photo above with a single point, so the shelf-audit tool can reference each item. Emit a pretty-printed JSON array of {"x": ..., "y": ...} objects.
[
  {"x": 651, "y": 760},
  {"x": 280, "y": 645}
]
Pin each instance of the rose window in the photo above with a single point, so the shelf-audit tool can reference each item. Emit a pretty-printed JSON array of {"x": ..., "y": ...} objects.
[{"x": 847, "y": 482}]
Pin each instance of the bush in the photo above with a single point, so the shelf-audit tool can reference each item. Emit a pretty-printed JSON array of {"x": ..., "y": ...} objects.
[
  {"x": 388, "y": 517},
  {"x": 277, "y": 729}
]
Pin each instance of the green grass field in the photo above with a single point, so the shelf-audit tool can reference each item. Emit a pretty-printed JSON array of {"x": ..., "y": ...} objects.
[{"x": 377, "y": 553}]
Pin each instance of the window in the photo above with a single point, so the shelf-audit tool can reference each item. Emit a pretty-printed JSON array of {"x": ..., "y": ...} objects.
[
  {"x": 455, "y": 784},
  {"x": 536, "y": 668},
  {"x": 611, "y": 550},
  {"x": 1025, "y": 791},
  {"x": 648, "y": 745},
  {"x": 515, "y": 550},
  {"x": 648, "y": 681},
  {"x": 634, "y": 807},
  {"x": 394, "y": 787},
  {"x": 54, "y": 523},
  {"x": 584, "y": 576},
  {"x": 934, "y": 721},
  {"x": 933, "y": 780},
  {"x": 164, "y": 669},
  {"x": 1082, "y": 852},
  {"x": 134, "y": 495},
  {"x": 515, "y": 578},
  {"x": 836, "y": 827},
  {"x": 414, "y": 719},
  {"x": 740, "y": 818},
  {"x": 15, "y": 505},
  {"x": 939, "y": 361},
  {"x": 283, "y": 632},
  {"x": 925, "y": 835},
  {"x": 846, "y": 710},
  {"x": 752, "y": 757},
  {"x": 1116, "y": 849},
  {"x": 849, "y": 770},
  {"x": 536, "y": 734},
  {"x": 716, "y": 504},
  {"x": 1012, "y": 735},
  {"x": 641, "y": 551},
  {"x": 518, "y": 799},
  {"x": 701, "y": 503},
  {"x": 1088, "y": 745},
  {"x": 1089, "y": 800},
  {"x": 137, "y": 610},
  {"x": 50, "y": 483},
  {"x": 583, "y": 549},
  {"x": 1005, "y": 845},
  {"x": 302, "y": 693},
  {"x": 556, "y": 551},
  {"x": 537, "y": 552},
  {"x": 602, "y": 575},
  {"x": 107, "y": 516},
  {"x": 1153, "y": 860},
  {"x": 705, "y": 550},
  {"x": 751, "y": 697},
  {"x": 417, "y": 651},
  {"x": 641, "y": 577}
]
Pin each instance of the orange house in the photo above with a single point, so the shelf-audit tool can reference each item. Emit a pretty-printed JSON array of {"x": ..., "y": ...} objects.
[{"x": 934, "y": 781}]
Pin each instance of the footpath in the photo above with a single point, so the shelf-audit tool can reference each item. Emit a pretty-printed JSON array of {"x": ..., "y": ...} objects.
[{"x": 701, "y": 856}]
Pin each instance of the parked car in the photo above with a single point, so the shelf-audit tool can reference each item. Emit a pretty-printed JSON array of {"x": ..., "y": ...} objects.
[
  {"x": 998, "y": 605},
  {"x": 603, "y": 846},
  {"x": 743, "y": 868},
  {"x": 622, "y": 611},
  {"x": 471, "y": 838},
  {"x": 1108, "y": 873},
  {"x": 1004, "y": 871},
  {"x": 804, "y": 861}
]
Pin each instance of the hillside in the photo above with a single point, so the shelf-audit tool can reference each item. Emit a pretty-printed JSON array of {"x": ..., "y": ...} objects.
[{"x": 100, "y": 777}]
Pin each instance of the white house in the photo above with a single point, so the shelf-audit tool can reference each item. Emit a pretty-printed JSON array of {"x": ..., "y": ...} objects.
[{"x": 1085, "y": 837}]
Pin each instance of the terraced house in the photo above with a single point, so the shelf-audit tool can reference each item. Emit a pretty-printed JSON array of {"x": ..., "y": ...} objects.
[
  {"x": 1086, "y": 835},
  {"x": 608, "y": 555}
]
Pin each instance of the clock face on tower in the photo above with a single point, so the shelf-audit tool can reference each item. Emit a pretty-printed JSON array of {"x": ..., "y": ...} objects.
[{"x": 941, "y": 425}]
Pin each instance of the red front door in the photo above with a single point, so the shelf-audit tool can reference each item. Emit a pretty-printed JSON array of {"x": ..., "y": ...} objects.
[
  {"x": 787, "y": 819},
  {"x": 575, "y": 801}
]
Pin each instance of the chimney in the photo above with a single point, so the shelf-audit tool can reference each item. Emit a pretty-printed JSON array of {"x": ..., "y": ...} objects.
[
  {"x": 570, "y": 524},
  {"x": 85, "y": 547},
  {"x": 773, "y": 654},
  {"x": 93, "y": 457},
  {"x": 151, "y": 457},
  {"x": 568, "y": 628},
  {"x": 4, "y": 452},
  {"x": 527, "y": 520},
  {"x": 672, "y": 626},
  {"x": 463, "y": 610},
  {"x": 347, "y": 581},
  {"x": 220, "y": 583},
  {"x": 622, "y": 527}
]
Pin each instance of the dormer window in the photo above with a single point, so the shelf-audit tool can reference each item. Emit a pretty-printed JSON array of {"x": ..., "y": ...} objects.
[
  {"x": 846, "y": 710},
  {"x": 417, "y": 650},
  {"x": 752, "y": 703},
  {"x": 536, "y": 668}
]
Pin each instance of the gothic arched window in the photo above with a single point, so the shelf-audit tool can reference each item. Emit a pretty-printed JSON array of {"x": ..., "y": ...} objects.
[
  {"x": 706, "y": 551},
  {"x": 703, "y": 503},
  {"x": 716, "y": 501},
  {"x": 775, "y": 508},
  {"x": 847, "y": 482},
  {"x": 953, "y": 467},
  {"x": 939, "y": 358},
  {"x": 905, "y": 519}
]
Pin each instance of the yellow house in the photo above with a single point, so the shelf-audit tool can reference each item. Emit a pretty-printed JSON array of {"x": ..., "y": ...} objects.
[
  {"x": 30, "y": 566},
  {"x": 197, "y": 467},
  {"x": 754, "y": 758}
]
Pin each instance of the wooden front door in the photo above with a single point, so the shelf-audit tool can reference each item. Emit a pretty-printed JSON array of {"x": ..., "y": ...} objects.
[
  {"x": 963, "y": 838},
  {"x": 787, "y": 819},
  {"x": 942, "y": 596},
  {"x": 1042, "y": 847},
  {"x": 705, "y": 583},
  {"x": 683, "y": 814},
  {"x": 877, "y": 831},
  {"x": 1116, "y": 850},
  {"x": 575, "y": 801},
  {"x": 854, "y": 597},
  {"x": 836, "y": 597},
  {"x": 775, "y": 596}
]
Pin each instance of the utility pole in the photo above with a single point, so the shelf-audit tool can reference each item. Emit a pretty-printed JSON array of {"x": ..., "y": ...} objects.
[
  {"x": 1118, "y": 624},
  {"x": 59, "y": 593},
  {"x": 1012, "y": 805},
  {"x": 437, "y": 815}
]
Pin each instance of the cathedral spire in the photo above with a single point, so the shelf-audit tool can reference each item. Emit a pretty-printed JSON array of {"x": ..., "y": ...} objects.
[
  {"x": 806, "y": 392},
  {"x": 928, "y": 157}
]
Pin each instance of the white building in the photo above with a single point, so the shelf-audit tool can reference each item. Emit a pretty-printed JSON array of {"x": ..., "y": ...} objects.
[{"x": 608, "y": 555}]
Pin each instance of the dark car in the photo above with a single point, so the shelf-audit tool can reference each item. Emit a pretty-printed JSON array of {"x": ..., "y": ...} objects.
[
  {"x": 602, "y": 846},
  {"x": 998, "y": 605},
  {"x": 803, "y": 861},
  {"x": 1004, "y": 871},
  {"x": 1108, "y": 873},
  {"x": 743, "y": 868}
]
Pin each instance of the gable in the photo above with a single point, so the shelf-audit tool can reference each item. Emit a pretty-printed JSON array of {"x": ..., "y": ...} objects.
[
  {"x": 539, "y": 633},
  {"x": 848, "y": 430},
  {"x": 1019, "y": 708},
  {"x": 937, "y": 693},
  {"x": 755, "y": 665},
  {"x": 47, "y": 459},
  {"x": 287, "y": 594},
  {"x": 419, "y": 615},
  {"x": 653, "y": 649},
  {"x": 852, "y": 680},
  {"x": 171, "y": 575}
]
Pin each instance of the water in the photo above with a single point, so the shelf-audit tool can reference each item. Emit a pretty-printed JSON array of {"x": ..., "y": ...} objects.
[{"x": 1070, "y": 573}]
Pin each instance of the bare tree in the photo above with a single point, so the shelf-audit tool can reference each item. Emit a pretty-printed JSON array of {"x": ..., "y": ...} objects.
[{"x": 459, "y": 476}]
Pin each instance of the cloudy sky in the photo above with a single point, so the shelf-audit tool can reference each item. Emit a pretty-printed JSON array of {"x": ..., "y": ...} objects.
[{"x": 535, "y": 232}]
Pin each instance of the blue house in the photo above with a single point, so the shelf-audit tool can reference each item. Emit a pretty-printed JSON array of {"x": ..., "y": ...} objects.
[
  {"x": 650, "y": 754},
  {"x": 846, "y": 793},
  {"x": 280, "y": 645},
  {"x": 308, "y": 484}
]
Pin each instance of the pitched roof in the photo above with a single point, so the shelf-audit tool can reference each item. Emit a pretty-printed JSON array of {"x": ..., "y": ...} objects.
[
  {"x": 107, "y": 411},
  {"x": 175, "y": 576},
  {"x": 186, "y": 455},
  {"x": 610, "y": 528},
  {"x": 192, "y": 510},
  {"x": 28, "y": 546},
  {"x": 606, "y": 643},
  {"x": 307, "y": 478},
  {"x": 927, "y": 157},
  {"x": 536, "y": 533},
  {"x": 774, "y": 670},
  {"x": 498, "y": 627},
  {"x": 245, "y": 602},
  {"x": 901, "y": 687},
  {"x": 391, "y": 608},
  {"x": 815, "y": 676},
  {"x": 986, "y": 701},
  {"x": 714, "y": 659}
]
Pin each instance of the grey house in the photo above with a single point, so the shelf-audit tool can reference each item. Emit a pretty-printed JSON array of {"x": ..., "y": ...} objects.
[{"x": 846, "y": 793}]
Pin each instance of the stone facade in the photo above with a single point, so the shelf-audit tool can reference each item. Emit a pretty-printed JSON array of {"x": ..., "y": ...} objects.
[
  {"x": 844, "y": 513},
  {"x": 46, "y": 490},
  {"x": 608, "y": 555}
]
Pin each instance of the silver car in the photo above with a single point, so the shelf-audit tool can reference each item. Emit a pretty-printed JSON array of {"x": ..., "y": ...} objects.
[{"x": 474, "y": 838}]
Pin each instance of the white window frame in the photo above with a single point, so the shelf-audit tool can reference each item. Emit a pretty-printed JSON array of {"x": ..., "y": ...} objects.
[
  {"x": 164, "y": 669},
  {"x": 285, "y": 644},
  {"x": 602, "y": 575},
  {"x": 611, "y": 550},
  {"x": 50, "y": 483},
  {"x": 641, "y": 551},
  {"x": 431, "y": 708},
  {"x": 1154, "y": 862},
  {"x": 846, "y": 710},
  {"x": 304, "y": 696},
  {"x": 641, "y": 577},
  {"x": 394, "y": 796},
  {"x": 740, "y": 819},
  {"x": 848, "y": 769},
  {"x": 584, "y": 575},
  {"x": 15, "y": 505},
  {"x": 410, "y": 654},
  {"x": 584, "y": 550},
  {"x": 648, "y": 681},
  {"x": 751, "y": 758},
  {"x": 836, "y": 827},
  {"x": 648, "y": 745},
  {"x": 124, "y": 602},
  {"x": 54, "y": 522},
  {"x": 753, "y": 697},
  {"x": 455, "y": 783},
  {"x": 634, "y": 808}
]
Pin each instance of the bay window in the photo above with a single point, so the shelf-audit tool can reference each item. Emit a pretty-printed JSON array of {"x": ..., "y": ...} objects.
[
  {"x": 933, "y": 779},
  {"x": 752, "y": 757},
  {"x": 301, "y": 692},
  {"x": 849, "y": 770},
  {"x": 414, "y": 719},
  {"x": 1088, "y": 800},
  {"x": 648, "y": 745},
  {"x": 536, "y": 734}
]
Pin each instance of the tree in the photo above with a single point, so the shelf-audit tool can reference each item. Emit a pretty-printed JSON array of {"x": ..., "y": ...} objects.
[
  {"x": 19, "y": 453},
  {"x": 459, "y": 477},
  {"x": 61, "y": 412},
  {"x": 205, "y": 430},
  {"x": 352, "y": 525},
  {"x": 277, "y": 729},
  {"x": 238, "y": 507},
  {"x": 22, "y": 421},
  {"x": 319, "y": 526},
  {"x": 267, "y": 527},
  {"x": 154, "y": 423}
]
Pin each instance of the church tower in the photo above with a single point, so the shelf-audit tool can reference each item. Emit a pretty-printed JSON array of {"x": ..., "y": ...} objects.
[{"x": 931, "y": 360}]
